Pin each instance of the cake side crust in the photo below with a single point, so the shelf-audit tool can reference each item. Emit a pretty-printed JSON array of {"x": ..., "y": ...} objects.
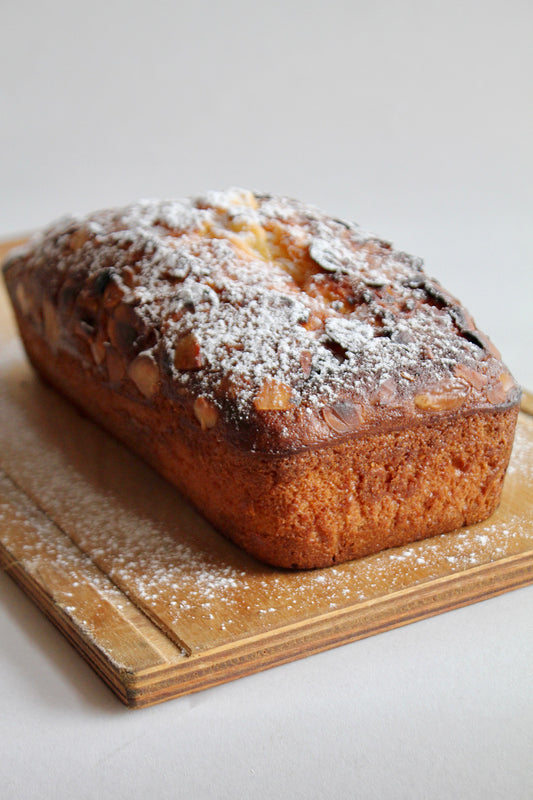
[{"x": 313, "y": 508}]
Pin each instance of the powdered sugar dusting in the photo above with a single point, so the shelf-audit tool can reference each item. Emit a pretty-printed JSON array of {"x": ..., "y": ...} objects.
[{"x": 256, "y": 286}]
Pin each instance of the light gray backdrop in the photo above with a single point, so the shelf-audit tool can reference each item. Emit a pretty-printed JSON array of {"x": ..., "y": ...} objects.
[{"x": 414, "y": 118}]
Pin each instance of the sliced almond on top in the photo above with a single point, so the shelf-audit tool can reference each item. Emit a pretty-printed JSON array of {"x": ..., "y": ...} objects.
[
  {"x": 188, "y": 354},
  {"x": 113, "y": 293},
  {"x": 314, "y": 323},
  {"x": 445, "y": 396},
  {"x": 387, "y": 392},
  {"x": 306, "y": 362},
  {"x": 98, "y": 351},
  {"x": 343, "y": 417},
  {"x": 123, "y": 328},
  {"x": 24, "y": 299},
  {"x": 144, "y": 373},
  {"x": 475, "y": 378},
  {"x": 205, "y": 412},
  {"x": 499, "y": 391},
  {"x": 78, "y": 239},
  {"x": 273, "y": 396}
]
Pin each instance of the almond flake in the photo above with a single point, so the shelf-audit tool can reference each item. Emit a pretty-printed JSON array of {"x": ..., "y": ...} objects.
[{"x": 274, "y": 396}]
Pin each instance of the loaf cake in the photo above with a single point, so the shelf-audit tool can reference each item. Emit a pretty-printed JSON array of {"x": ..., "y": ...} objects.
[{"x": 308, "y": 387}]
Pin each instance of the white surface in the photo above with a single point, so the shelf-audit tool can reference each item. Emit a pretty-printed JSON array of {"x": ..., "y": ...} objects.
[{"x": 415, "y": 119}]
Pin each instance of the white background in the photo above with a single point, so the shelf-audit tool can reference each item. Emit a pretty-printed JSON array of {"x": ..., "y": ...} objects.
[{"x": 416, "y": 120}]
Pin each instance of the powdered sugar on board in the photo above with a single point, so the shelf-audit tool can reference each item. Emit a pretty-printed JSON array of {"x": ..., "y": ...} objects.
[
  {"x": 168, "y": 561},
  {"x": 32, "y": 547}
]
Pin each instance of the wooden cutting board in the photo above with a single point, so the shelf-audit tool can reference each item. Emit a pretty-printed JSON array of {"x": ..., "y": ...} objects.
[{"x": 161, "y": 605}]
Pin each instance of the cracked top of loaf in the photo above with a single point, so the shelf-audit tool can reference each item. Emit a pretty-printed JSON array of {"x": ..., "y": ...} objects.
[{"x": 273, "y": 323}]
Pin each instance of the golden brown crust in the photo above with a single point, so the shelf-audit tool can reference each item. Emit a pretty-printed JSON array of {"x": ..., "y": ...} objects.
[{"x": 312, "y": 391}]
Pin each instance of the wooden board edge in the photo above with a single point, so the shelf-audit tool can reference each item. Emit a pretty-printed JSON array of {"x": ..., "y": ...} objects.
[
  {"x": 117, "y": 680},
  {"x": 281, "y": 646},
  {"x": 526, "y": 403}
]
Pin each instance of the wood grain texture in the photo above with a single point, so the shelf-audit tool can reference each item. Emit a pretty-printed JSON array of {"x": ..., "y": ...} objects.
[{"x": 161, "y": 605}]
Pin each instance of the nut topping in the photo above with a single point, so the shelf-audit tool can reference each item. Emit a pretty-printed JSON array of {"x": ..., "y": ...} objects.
[
  {"x": 314, "y": 322},
  {"x": 507, "y": 381},
  {"x": 187, "y": 353},
  {"x": 144, "y": 373},
  {"x": 476, "y": 379},
  {"x": 387, "y": 392},
  {"x": 499, "y": 391},
  {"x": 342, "y": 417},
  {"x": 24, "y": 299},
  {"x": 78, "y": 239},
  {"x": 306, "y": 362},
  {"x": 273, "y": 396},
  {"x": 98, "y": 351},
  {"x": 444, "y": 397},
  {"x": 325, "y": 255},
  {"x": 205, "y": 412},
  {"x": 239, "y": 305},
  {"x": 113, "y": 293},
  {"x": 122, "y": 328}
]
